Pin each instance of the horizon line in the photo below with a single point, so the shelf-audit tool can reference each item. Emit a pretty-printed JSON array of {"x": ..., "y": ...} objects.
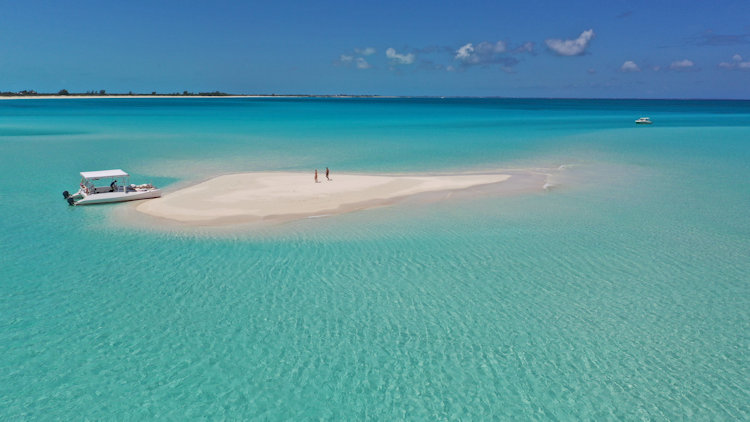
[{"x": 218, "y": 94}]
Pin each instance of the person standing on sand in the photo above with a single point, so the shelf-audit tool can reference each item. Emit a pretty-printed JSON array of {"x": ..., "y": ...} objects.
[
  {"x": 316, "y": 175},
  {"x": 329, "y": 179}
]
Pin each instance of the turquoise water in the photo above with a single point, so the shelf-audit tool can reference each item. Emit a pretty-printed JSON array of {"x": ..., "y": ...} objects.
[{"x": 622, "y": 293}]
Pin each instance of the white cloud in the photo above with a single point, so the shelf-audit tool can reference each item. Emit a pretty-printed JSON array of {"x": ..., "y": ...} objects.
[
  {"x": 574, "y": 47},
  {"x": 485, "y": 47},
  {"x": 657, "y": 68},
  {"x": 367, "y": 51},
  {"x": 350, "y": 60},
  {"x": 684, "y": 64},
  {"x": 484, "y": 53},
  {"x": 527, "y": 47},
  {"x": 468, "y": 53},
  {"x": 362, "y": 63},
  {"x": 736, "y": 63},
  {"x": 464, "y": 52},
  {"x": 399, "y": 58},
  {"x": 630, "y": 66},
  {"x": 355, "y": 59}
]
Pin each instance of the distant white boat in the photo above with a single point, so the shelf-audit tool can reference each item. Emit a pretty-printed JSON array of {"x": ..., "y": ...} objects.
[
  {"x": 643, "y": 121},
  {"x": 90, "y": 193}
]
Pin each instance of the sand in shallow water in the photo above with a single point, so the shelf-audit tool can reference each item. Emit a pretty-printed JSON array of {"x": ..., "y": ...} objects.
[{"x": 244, "y": 197}]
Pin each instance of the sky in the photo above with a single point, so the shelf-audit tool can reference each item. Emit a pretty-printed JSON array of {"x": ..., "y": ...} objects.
[{"x": 532, "y": 48}]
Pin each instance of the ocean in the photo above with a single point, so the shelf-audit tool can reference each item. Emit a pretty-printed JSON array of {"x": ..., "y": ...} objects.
[{"x": 621, "y": 292}]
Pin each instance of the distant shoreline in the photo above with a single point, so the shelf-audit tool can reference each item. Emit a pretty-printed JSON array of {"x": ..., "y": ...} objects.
[
  {"x": 120, "y": 96},
  {"x": 287, "y": 96}
]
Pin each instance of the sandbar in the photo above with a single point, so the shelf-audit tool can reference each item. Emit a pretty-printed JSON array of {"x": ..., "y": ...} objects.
[{"x": 257, "y": 196}]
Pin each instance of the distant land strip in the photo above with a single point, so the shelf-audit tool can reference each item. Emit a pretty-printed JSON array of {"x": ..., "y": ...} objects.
[{"x": 103, "y": 93}]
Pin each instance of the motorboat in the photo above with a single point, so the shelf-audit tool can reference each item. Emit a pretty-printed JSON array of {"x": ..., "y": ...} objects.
[
  {"x": 92, "y": 191},
  {"x": 643, "y": 121}
]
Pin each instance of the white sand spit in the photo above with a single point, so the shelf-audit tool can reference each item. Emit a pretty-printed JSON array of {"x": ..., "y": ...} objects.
[{"x": 246, "y": 197}]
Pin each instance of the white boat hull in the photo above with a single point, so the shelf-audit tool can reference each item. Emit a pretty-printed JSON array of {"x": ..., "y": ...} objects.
[{"x": 110, "y": 197}]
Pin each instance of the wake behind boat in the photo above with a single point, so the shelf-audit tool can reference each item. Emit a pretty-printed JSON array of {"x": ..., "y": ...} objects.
[{"x": 90, "y": 193}]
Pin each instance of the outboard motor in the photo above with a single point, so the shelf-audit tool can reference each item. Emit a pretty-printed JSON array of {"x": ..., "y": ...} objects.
[
  {"x": 66, "y": 194},
  {"x": 70, "y": 200}
]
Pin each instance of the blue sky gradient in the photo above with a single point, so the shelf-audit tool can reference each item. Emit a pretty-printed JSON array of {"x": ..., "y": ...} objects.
[{"x": 601, "y": 49}]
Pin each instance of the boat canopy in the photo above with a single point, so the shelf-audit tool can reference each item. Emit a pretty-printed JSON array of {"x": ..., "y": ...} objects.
[{"x": 101, "y": 174}]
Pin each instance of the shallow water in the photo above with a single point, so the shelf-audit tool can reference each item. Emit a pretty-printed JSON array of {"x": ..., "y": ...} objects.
[{"x": 621, "y": 292}]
